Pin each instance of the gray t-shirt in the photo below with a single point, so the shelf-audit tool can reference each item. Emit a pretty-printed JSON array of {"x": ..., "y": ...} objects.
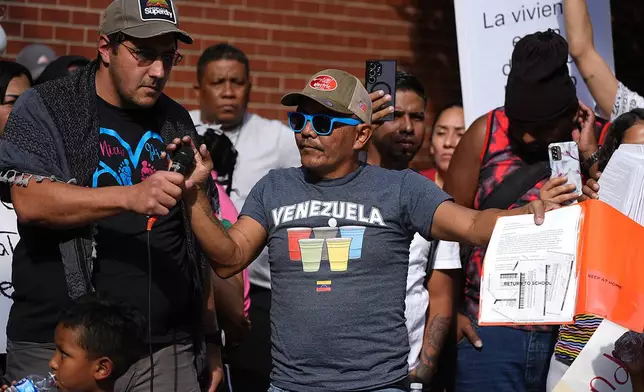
[{"x": 339, "y": 252}]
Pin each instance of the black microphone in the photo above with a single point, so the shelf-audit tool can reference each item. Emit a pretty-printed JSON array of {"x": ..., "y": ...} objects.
[{"x": 182, "y": 160}]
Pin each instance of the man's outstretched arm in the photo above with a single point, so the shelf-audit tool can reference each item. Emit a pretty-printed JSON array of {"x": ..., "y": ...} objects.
[{"x": 229, "y": 251}]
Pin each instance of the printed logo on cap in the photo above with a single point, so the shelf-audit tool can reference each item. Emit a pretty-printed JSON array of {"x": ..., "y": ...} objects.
[
  {"x": 157, "y": 10},
  {"x": 362, "y": 106},
  {"x": 323, "y": 83}
]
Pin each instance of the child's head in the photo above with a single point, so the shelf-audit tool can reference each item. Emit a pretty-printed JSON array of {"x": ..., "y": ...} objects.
[{"x": 96, "y": 342}]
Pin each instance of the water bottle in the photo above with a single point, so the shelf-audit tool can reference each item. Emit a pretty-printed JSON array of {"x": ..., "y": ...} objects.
[
  {"x": 629, "y": 346},
  {"x": 416, "y": 387},
  {"x": 35, "y": 383}
]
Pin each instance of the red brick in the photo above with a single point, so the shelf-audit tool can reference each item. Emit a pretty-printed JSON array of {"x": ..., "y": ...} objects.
[
  {"x": 87, "y": 51},
  {"x": 174, "y": 92},
  {"x": 241, "y": 15},
  {"x": 306, "y": 6},
  {"x": 245, "y": 32},
  {"x": 187, "y": 75},
  {"x": 54, "y": 15},
  {"x": 14, "y": 47},
  {"x": 69, "y": 34},
  {"x": 38, "y": 31},
  {"x": 294, "y": 83},
  {"x": 92, "y": 19},
  {"x": 12, "y": 28},
  {"x": 217, "y": 13},
  {"x": 99, "y": 4},
  {"x": 38, "y": 2},
  {"x": 189, "y": 11},
  {"x": 232, "y": 2},
  {"x": 202, "y": 28},
  {"x": 369, "y": 12},
  {"x": 75, "y": 3},
  {"x": 267, "y": 81},
  {"x": 17, "y": 12}
]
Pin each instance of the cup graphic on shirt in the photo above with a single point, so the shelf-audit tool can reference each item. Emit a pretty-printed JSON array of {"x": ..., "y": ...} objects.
[
  {"x": 311, "y": 250},
  {"x": 356, "y": 234},
  {"x": 295, "y": 234},
  {"x": 324, "y": 233},
  {"x": 338, "y": 253}
]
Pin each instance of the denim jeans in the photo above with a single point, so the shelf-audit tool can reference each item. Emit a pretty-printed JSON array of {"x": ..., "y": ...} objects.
[
  {"x": 273, "y": 388},
  {"x": 511, "y": 360}
]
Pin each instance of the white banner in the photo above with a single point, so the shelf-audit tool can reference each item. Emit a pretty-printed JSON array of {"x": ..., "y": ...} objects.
[
  {"x": 8, "y": 241},
  {"x": 487, "y": 32}
]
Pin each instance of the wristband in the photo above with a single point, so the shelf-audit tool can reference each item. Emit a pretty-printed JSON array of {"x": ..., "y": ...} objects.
[{"x": 588, "y": 163}]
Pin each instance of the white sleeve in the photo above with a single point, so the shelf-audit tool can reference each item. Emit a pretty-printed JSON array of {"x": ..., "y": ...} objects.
[
  {"x": 625, "y": 101},
  {"x": 447, "y": 256},
  {"x": 289, "y": 153}
]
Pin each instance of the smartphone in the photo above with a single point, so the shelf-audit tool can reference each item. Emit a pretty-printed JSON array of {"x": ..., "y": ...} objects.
[
  {"x": 564, "y": 162},
  {"x": 381, "y": 75}
]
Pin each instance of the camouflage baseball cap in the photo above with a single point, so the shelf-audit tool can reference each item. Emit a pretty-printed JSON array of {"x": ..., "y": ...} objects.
[
  {"x": 337, "y": 90},
  {"x": 143, "y": 19}
]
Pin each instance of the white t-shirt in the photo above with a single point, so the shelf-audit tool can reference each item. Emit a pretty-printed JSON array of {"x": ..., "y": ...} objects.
[
  {"x": 417, "y": 300},
  {"x": 625, "y": 101},
  {"x": 262, "y": 145}
]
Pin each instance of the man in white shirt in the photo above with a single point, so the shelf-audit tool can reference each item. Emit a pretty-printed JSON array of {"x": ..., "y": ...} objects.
[
  {"x": 223, "y": 89},
  {"x": 432, "y": 267}
]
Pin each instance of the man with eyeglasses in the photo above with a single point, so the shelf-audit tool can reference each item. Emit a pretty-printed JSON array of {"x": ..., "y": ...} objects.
[
  {"x": 85, "y": 164},
  {"x": 338, "y": 233}
]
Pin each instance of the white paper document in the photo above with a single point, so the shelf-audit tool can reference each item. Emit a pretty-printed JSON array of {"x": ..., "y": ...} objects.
[
  {"x": 621, "y": 184},
  {"x": 595, "y": 368},
  {"x": 529, "y": 271}
]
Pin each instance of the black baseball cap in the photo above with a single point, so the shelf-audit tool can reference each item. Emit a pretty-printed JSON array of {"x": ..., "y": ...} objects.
[{"x": 143, "y": 19}]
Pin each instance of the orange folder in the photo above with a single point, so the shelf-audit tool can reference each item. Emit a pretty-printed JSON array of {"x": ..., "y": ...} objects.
[{"x": 611, "y": 266}]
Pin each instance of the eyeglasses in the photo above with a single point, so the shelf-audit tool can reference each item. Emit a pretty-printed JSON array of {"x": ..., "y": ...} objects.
[
  {"x": 146, "y": 57},
  {"x": 322, "y": 124}
]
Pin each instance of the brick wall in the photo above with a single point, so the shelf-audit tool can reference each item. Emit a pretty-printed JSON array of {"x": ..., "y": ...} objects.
[{"x": 286, "y": 40}]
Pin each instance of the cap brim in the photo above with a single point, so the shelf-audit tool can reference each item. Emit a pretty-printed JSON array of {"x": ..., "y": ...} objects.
[
  {"x": 155, "y": 29},
  {"x": 295, "y": 99}
]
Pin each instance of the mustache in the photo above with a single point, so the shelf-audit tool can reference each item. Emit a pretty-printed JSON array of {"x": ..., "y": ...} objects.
[{"x": 304, "y": 144}]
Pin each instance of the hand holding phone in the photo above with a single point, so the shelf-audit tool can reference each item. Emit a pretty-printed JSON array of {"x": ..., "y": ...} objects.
[
  {"x": 564, "y": 162},
  {"x": 381, "y": 75}
]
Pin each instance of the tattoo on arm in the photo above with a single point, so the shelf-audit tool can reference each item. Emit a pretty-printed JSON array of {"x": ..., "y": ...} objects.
[{"x": 433, "y": 341}]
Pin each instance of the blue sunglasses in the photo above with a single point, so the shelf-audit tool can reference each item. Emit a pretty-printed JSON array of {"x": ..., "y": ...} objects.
[{"x": 322, "y": 124}]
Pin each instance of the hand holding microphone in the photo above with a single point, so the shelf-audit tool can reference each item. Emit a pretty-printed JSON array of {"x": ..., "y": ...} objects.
[{"x": 160, "y": 192}]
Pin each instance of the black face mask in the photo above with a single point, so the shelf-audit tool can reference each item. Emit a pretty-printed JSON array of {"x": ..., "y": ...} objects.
[
  {"x": 536, "y": 151},
  {"x": 223, "y": 154}
]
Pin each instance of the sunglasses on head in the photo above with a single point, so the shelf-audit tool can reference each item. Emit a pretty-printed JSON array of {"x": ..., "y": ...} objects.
[{"x": 321, "y": 123}]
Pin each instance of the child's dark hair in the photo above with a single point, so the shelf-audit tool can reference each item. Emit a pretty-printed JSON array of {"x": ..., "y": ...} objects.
[
  {"x": 615, "y": 134},
  {"x": 107, "y": 329}
]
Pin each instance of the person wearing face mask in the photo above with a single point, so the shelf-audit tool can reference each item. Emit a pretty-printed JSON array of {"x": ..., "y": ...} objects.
[
  {"x": 15, "y": 79},
  {"x": 249, "y": 147},
  {"x": 502, "y": 162}
]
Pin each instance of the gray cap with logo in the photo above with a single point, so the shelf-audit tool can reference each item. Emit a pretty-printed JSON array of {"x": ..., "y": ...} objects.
[
  {"x": 143, "y": 19},
  {"x": 36, "y": 58},
  {"x": 337, "y": 90}
]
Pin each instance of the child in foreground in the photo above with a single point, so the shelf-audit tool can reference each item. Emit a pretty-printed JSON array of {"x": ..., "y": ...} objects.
[{"x": 96, "y": 342}]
